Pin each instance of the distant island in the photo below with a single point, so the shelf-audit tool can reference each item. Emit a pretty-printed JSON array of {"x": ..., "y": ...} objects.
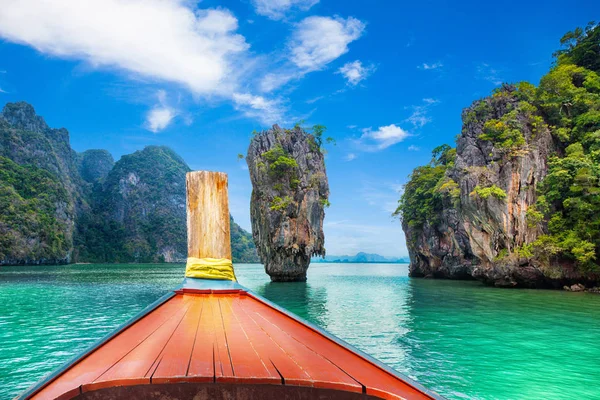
[{"x": 360, "y": 258}]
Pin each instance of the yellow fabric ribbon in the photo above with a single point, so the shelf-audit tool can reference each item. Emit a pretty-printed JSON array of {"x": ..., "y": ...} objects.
[{"x": 210, "y": 268}]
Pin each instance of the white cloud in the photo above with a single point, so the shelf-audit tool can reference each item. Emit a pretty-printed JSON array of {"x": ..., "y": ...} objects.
[
  {"x": 159, "y": 117},
  {"x": 354, "y": 72},
  {"x": 276, "y": 9},
  {"x": 434, "y": 65},
  {"x": 382, "y": 138},
  {"x": 413, "y": 148},
  {"x": 157, "y": 39},
  {"x": 350, "y": 156},
  {"x": 315, "y": 42},
  {"x": 319, "y": 40},
  {"x": 266, "y": 110}
]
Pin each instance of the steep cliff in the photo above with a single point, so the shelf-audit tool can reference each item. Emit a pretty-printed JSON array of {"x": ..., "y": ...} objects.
[
  {"x": 516, "y": 203},
  {"x": 57, "y": 206},
  {"x": 139, "y": 210},
  {"x": 40, "y": 189},
  {"x": 290, "y": 193}
]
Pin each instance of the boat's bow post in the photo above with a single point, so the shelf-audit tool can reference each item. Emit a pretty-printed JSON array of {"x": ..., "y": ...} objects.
[{"x": 208, "y": 230}]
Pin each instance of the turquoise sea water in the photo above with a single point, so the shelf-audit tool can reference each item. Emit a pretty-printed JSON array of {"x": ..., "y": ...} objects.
[{"x": 461, "y": 339}]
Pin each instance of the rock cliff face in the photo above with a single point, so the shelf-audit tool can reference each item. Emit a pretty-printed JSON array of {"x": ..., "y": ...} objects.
[
  {"x": 484, "y": 196},
  {"x": 475, "y": 227},
  {"x": 36, "y": 159},
  {"x": 290, "y": 192},
  {"x": 140, "y": 209},
  {"x": 517, "y": 203},
  {"x": 57, "y": 206}
]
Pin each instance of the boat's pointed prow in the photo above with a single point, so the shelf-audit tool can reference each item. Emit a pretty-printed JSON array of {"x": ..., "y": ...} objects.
[{"x": 214, "y": 339}]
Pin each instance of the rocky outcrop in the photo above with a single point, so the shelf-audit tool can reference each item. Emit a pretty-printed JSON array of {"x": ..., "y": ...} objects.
[
  {"x": 476, "y": 233},
  {"x": 290, "y": 193},
  {"x": 57, "y": 206}
]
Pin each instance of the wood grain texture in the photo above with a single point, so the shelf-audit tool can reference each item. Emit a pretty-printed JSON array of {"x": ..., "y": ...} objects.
[
  {"x": 208, "y": 215},
  {"x": 219, "y": 339}
]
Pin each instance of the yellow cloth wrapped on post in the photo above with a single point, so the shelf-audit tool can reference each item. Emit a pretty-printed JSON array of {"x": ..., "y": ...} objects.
[{"x": 210, "y": 268}]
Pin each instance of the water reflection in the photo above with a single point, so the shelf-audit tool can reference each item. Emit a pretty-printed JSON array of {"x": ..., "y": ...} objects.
[{"x": 300, "y": 298}]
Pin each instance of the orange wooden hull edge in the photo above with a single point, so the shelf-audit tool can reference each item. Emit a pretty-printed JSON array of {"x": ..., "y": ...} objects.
[{"x": 226, "y": 336}]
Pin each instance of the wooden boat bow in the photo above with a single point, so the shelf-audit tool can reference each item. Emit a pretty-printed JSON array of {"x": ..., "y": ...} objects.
[{"x": 215, "y": 339}]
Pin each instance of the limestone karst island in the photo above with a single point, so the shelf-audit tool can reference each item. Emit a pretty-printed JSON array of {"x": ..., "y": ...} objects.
[{"x": 299, "y": 199}]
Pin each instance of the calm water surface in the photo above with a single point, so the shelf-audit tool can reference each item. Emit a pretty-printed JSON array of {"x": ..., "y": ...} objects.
[{"x": 461, "y": 339}]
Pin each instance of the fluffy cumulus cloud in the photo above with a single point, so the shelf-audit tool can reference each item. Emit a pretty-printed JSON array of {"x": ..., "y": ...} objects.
[
  {"x": 161, "y": 115},
  {"x": 319, "y": 40},
  {"x": 354, "y": 72},
  {"x": 276, "y": 9},
  {"x": 382, "y": 138},
  {"x": 175, "y": 42},
  {"x": 157, "y": 39},
  {"x": 159, "y": 118}
]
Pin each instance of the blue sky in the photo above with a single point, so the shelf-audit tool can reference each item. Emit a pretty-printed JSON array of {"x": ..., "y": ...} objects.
[{"x": 388, "y": 78}]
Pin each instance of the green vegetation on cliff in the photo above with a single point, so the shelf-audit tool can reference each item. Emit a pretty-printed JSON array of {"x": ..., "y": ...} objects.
[
  {"x": 566, "y": 215},
  {"x": 140, "y": 213},
  {"x": 57, "y": 206},
  {"x": 569, "y": 200},
  {"x": 427, "y": 189},
  {"x": 34, "y": 206},
  {"x": 139, "y": 210}
]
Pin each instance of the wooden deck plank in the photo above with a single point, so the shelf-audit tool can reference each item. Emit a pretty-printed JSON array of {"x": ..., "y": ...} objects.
[
  {"x": 377, "y": 381},
  {"x": 202, "y": 363},
  {"x": 223, "y": 366},
  {"x": 134, "y": 367},
  {"x": 324, "y": 374},
  {"x": 268, "y": 349},
  {"x": 226, "y": 338},
  {"x": 247, "y": 364},
  {"x": 175, "y": 359},
  {"x": 95, "y": 364}
]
